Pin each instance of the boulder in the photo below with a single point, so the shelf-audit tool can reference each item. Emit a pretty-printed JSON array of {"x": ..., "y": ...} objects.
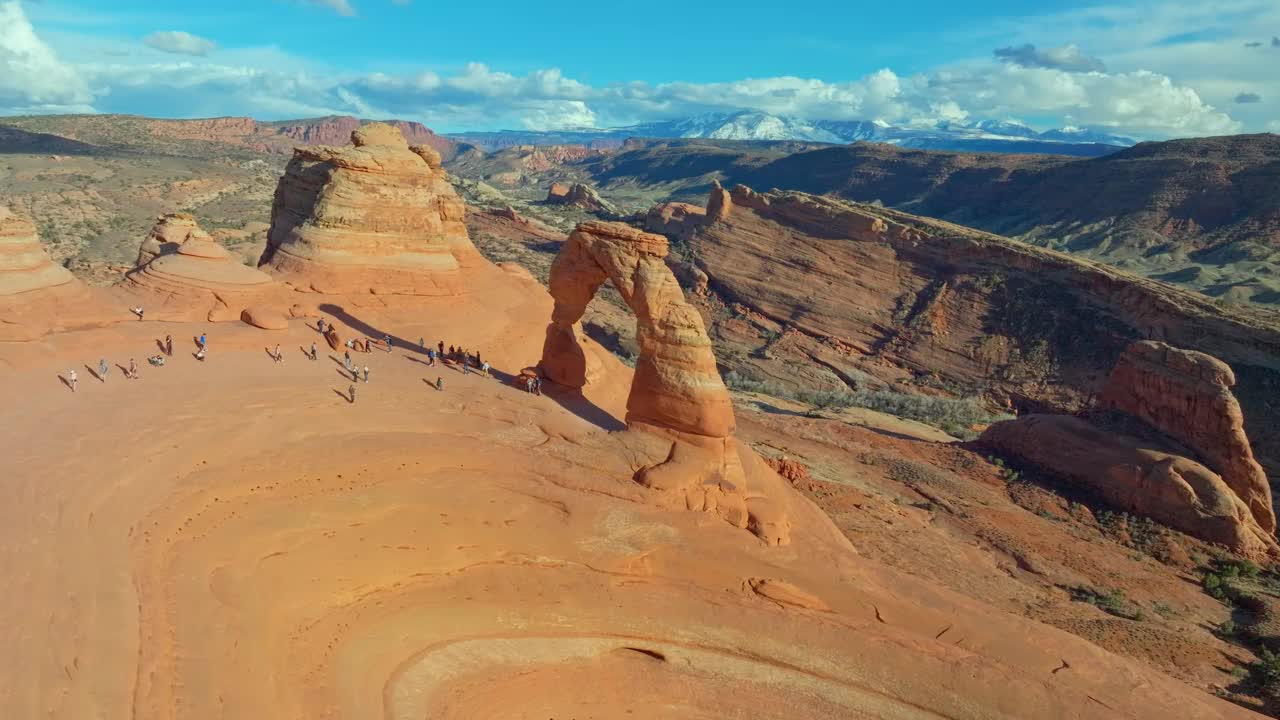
[
  {"x": 674, "y": 219},
  {"x": 1136, "y": 475},
  {"x": 375, "y": 216},
  {"x": 1187, "y": 395},
  {"x": 265, "y": 318},
  {"x": 580, "y": 196}
]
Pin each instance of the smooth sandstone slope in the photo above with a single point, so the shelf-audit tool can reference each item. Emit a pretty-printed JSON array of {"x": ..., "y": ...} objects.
[{"x": 277, "y": 551}]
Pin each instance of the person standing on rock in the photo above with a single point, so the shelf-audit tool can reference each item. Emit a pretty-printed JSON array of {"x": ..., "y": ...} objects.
[
  {"x": 168, "y": 345},
  {"x": 200, "y": 354},
  {"x": 351, "y": 390},
  {"x": 73, "y": 379},
  {"x": 439, "y": 383},
  {"x": 133, "y": 369},
  {"x": 537, "y": 386},
  {"x": 431, "y": 357},
  {"x": 346, "y": 359},
  {"x": 440, "y": 348},
  {"x": 202, "y": 341},
  {"x": 366, "y": 374},
  {"x": 387, "y": 339},
  {"x": 314, "y": 353},
  {"x": 279, "y": 355},
  {"x": 422, "y": 343},
  {"x": 484, "y": 368},
  {"x": 320, "y": 325},
  {"x": 466, "y": 366},
  {"x": 103, "y": 369}
]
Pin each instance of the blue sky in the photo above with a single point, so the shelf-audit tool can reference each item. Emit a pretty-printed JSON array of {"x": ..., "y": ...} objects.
[{"x": 1148, "y": 68}]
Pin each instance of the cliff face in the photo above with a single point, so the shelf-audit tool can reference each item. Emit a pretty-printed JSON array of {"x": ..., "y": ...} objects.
[{"x": 961, "y": 310}]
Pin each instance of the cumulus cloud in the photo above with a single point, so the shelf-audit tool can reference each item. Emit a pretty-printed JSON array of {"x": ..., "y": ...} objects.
[
  {"x": 1068, "y": 57},
  {"x": 32, "y": 77},
  {"x": 179, "y": 43},
  {"x": 1246, "y": 98}
]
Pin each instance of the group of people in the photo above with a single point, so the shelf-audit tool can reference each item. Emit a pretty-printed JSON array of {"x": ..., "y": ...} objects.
[
  {"x": 352, "y": 367},
  {"x": 131, "y": 372}
]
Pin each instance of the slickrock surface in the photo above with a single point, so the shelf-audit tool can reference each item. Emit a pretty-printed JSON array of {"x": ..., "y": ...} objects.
[
  {"x": 267, "y": 548},
  {"x": 376, "y": 216},
  {"x": 191, "y": 277},
  {"x": 1188, "y": 396},
  {"x": 24, "y": 265},
  {"x": 1136, "y": 476}
]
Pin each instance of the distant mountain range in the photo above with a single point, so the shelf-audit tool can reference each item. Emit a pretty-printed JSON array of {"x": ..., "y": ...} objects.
[{"x": 979, "y": 136}]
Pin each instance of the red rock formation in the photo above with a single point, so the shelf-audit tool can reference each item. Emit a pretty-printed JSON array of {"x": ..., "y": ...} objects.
[
  {"x": 375, "y": 216},
  {"x": 719, "y": 203},
  {"x": 674, "y": 218},
  {"x": 36, "y": 295},
  {"x": 676, "y": 385},
  {"x": 1135, "y": 475},
  {"x": 1187, "y": 395},
  {"x": 184, "y": 274},
  {"x": 792, "y": 470},
  {"x": 677, "y": 393},
  {"x": 578, "y": 195}
]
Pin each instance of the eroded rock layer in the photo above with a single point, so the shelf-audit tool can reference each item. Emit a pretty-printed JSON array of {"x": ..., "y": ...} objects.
[
  {"x": 375, "y": 216},
  {"x": 1136, "y": 475},
  {"x": 191, "y": 276},
  {"x": 36, "y": 294},
  {"x": 1187, "y": 395}
]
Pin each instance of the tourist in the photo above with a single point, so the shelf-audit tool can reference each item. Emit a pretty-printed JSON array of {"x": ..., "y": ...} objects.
[
  {"x": 351, "y": 390},
  {"x": 484, "y": 368},
  {"x": 466, "y": 369},
  {"x": 138, "y": 311},
  {"x": 133, "y": 370},
  {"x": 320, "y": 325},
  {"x": 387, "y": 339},
  {"x": 431, "y": 357},
  {"x": 440, "y": 347},
  {"x": 346, "y": 359},
  {"x": 102, "y": 369},
  {"x": 314, "y": 353},
  {"x": 202, "y": 341},
  {"x": 422, "y": 343},
  {"x": 439, "y": 383},
  {"x": 200, "y": 354},
  {"x": 537, "y": 386},
  {"x": 73, "y": 379},
  {"x": 355, "y": 373},
  {"x": 366, "y": 374},
  {"x": 528, "y": 385},
  {"x": 279, "y": 355},
  {"x": 168, "y": 345},
  {"x": 156, "y": 360},
  {"x": 452, "y": 353}
]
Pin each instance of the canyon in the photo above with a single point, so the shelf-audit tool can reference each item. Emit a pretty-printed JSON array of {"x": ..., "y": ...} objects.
[{"x": 707, "y": 510}]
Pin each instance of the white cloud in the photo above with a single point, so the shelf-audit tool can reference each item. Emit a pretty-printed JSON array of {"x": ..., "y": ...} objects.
[
  {"x": 179, "y": 43},
  {"x": 342, "y": 7},
  {"x": 32, "y": 77}
]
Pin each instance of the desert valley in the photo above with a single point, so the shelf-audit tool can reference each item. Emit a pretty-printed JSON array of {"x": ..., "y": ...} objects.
[{"x": 742, "y": 414}]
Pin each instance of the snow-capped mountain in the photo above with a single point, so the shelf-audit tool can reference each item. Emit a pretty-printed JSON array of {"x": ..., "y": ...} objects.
[{"x": 976, "y": 136}]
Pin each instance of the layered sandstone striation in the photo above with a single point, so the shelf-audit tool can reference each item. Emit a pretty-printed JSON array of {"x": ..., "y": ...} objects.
[
  {"x": 676, "y": 392},
  {"x": 185, "y": 274},
  {"x": 1137, "y": 475},
  {"x": 1185, "y": 462},
  {"x": 375, "y": 216},
  {"x": 36, "y": 294},
  {"x": 859, "y": 290},
  {"x": 1188, "y": 395}
]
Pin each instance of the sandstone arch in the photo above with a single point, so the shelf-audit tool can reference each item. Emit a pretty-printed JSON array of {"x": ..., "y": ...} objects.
[{"x": 676, "y": 386}]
